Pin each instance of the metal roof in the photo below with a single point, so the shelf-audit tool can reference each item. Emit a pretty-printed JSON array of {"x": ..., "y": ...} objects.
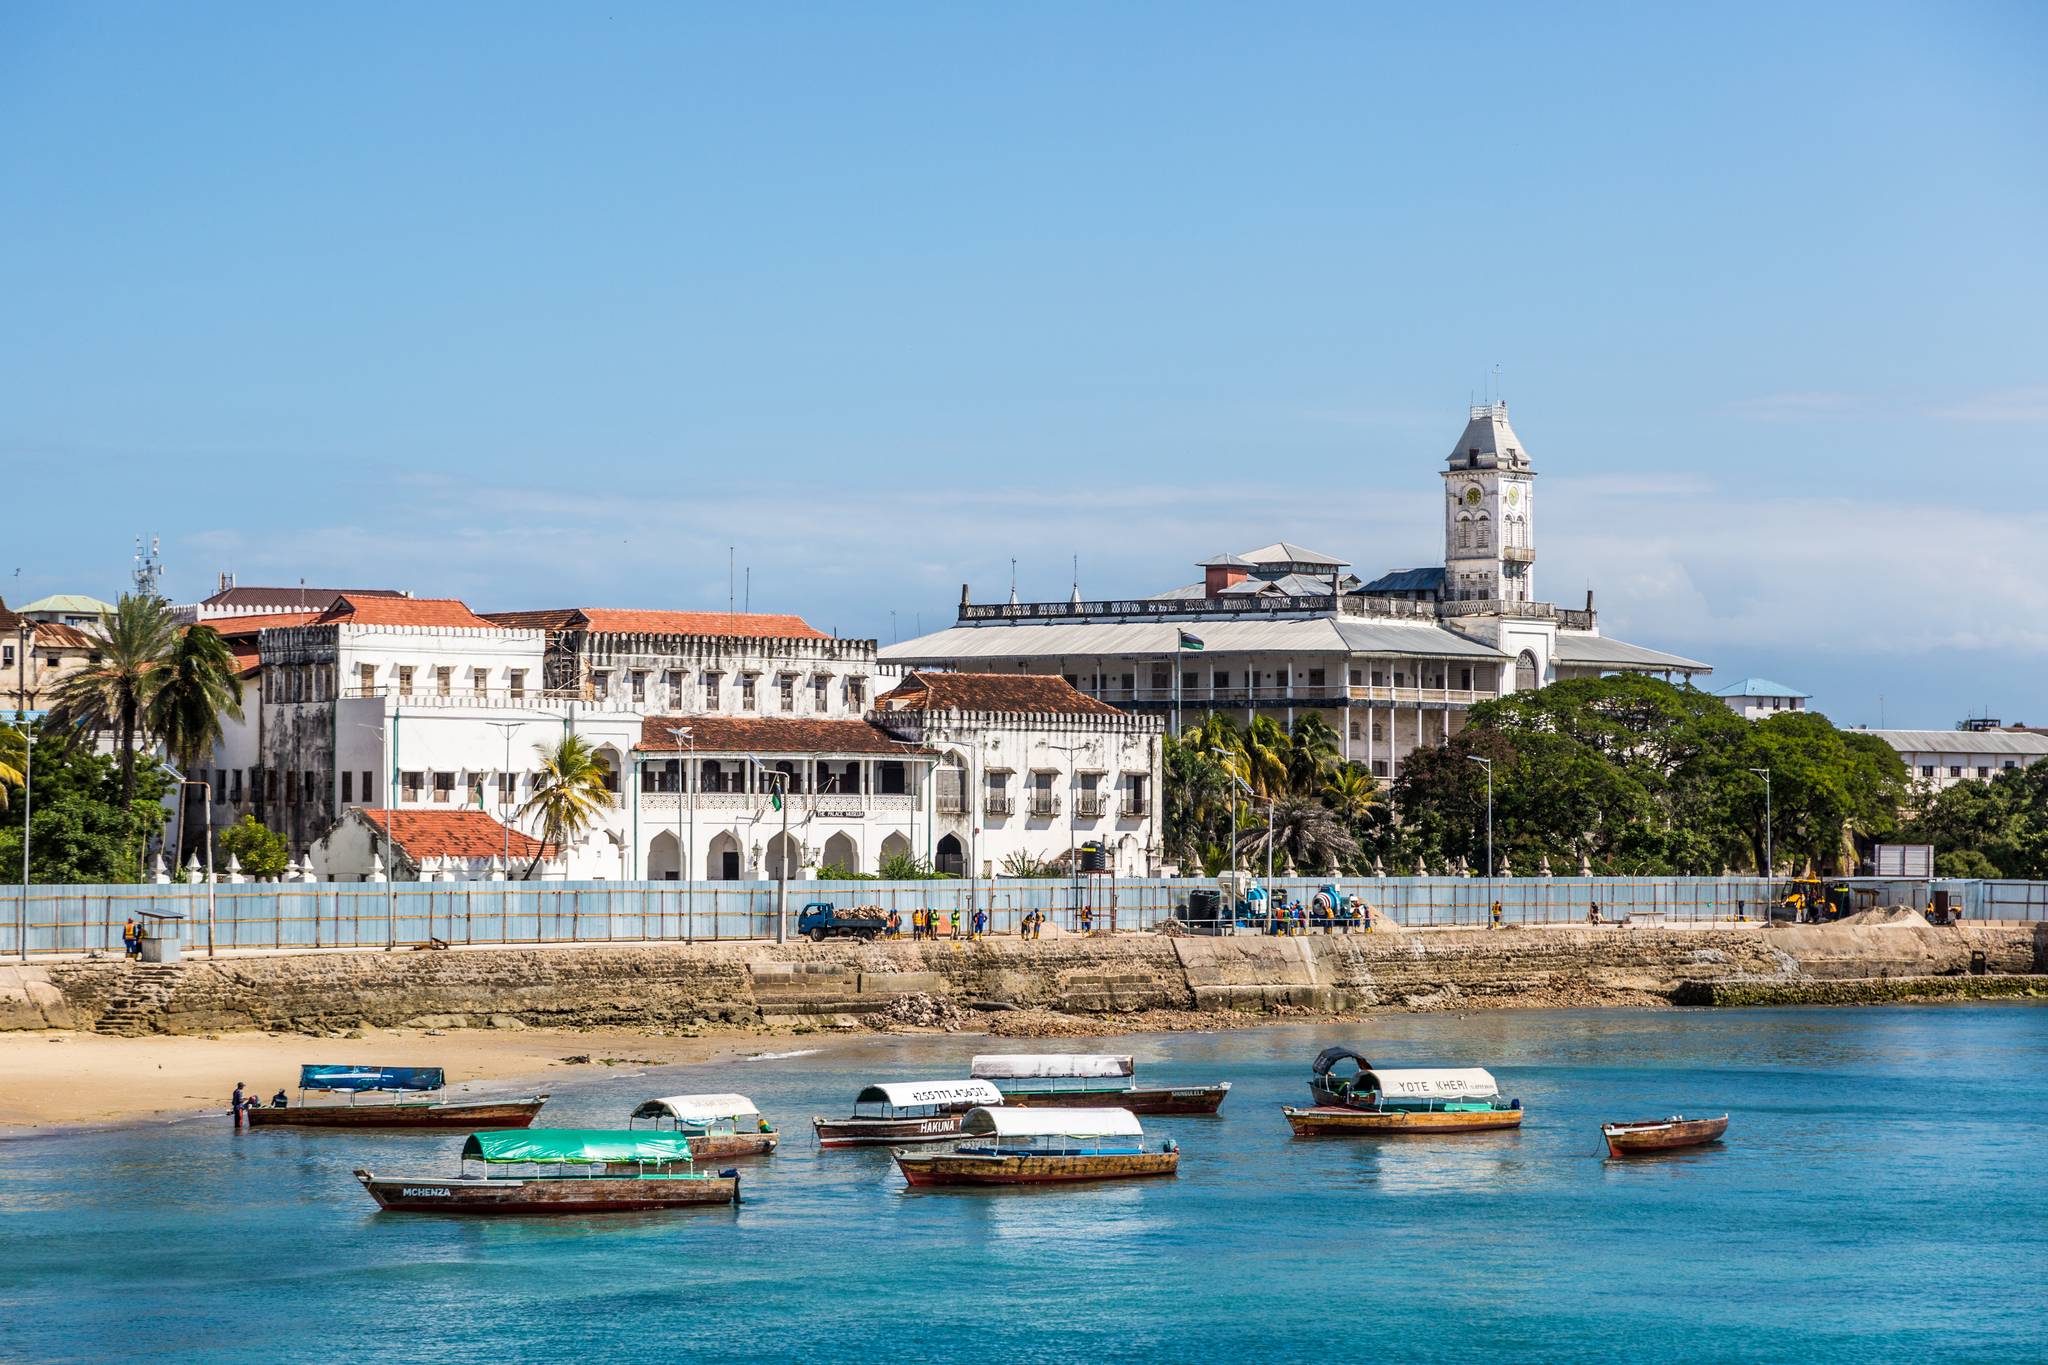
[
  {"x": 1286, "y": 552},
  {"x": 67, "y": 601},
  {"x": 1300, "y": 634},
  {"x": 1408, "y": 580},
  {"x": 1761, "y": 687},
  {"x": 1580, "y": 649},
  {"x": 1224, "y": 562},
  {"x": 2018, "y": 744}
]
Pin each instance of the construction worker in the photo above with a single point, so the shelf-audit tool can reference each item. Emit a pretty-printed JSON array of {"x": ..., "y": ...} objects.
[
  {"x": 953, "y": 925},
  {"x": 1496, "y": 915}
]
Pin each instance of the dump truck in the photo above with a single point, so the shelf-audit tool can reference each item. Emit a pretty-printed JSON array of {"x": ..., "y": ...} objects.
[{"x": 821, "y": 920}]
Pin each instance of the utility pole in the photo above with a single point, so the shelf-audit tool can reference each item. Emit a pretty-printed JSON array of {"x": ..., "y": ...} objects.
[
  {"x": 1489, "y": 811},
  {"x": 1770, "y": 862},
  {"x": 505, "y": 728},
  {"x": 779, "y": 784},
  {"x": 682, "y": 733},
  {"x": 1073, "y": 857},
  {"x": 28, "y": 772}
]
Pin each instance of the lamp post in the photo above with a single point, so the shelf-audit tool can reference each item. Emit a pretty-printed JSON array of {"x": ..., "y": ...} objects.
[
  {"x": 505, "y": 728},
  {"x": 206, "y": 796},
  {"x": 1770, "y": 863},
  {"x": 388, "y": 755},
  {"x": 28, "y": 772},
  {"x": 779, "y": 783},
  {"x": 684, "y": 852},
  {"x": 1073, "y": 858},
  {"x": 1489, "y": 811}
]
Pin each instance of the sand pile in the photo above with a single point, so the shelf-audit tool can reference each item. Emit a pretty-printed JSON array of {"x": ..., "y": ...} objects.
[{"x": 1886, "y": 915}]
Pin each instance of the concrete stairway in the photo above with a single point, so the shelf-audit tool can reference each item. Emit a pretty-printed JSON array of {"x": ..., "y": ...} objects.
[{"x": 146, "y": 989}]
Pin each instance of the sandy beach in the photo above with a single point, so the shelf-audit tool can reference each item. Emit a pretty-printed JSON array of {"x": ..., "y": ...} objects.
[{"x": 55, "y": 1079}]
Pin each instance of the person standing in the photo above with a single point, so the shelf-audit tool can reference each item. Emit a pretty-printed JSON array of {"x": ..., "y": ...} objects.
[
  {"x": 235, "y": 1101},
  {"x": 1496, "y": 915},
  {"x": 980, "y": 923},
  {"x": 953, "y": 924}
]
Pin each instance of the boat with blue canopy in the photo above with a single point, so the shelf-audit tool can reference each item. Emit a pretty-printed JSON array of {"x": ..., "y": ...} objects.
[
  {"x": 560, "y": 1170},
  {"x": 357, "y": 1098}
]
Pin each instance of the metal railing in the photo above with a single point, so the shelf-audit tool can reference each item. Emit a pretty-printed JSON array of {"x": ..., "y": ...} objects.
[{"x": 998, "y": 805}]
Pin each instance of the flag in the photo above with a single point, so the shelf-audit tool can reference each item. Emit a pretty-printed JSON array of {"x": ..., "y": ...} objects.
[
  {"x": 1190, "y": 640},
  {"x": 775, "y": 798}
]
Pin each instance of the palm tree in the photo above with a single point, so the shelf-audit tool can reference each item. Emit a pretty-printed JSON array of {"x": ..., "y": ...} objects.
[
  {"x": 196, "y": 686},
  {"x": 569, "y": 793},
  {"x": 1266, "y": 751},
  {"x": 1352, "y": 792},
  {"x": 1306, "y": 836},
  {"x": 1312, "y": 754},
  {"x": 13, "y": 761},
  {"x": 114, "y": 694}
]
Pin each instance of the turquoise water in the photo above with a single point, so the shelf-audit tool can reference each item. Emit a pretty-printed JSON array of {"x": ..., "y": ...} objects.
[{"x": 1883, "y": 1195}]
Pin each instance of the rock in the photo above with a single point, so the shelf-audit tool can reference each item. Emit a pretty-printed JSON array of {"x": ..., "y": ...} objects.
[{"x": 507, "y": 1021}]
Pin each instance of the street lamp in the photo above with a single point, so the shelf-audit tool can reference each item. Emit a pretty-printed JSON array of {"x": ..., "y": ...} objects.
[
  {"x": 684, "y": 852},
  {"x": 780, "y": 782},
  {"x": 1489, "y": 811},
  {"x": 205, "y": 795},
  {"x": 505, "y": 728},
  {"x": 1770, "y": 863},
  {"x": 1073, "y": 859},
  {"x": 28, "y": 772},
  {"x": 387, "y": 754}
]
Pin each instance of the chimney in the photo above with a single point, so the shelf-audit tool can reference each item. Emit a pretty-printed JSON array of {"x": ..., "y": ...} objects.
[
  {"x": 1217, "y": 577},
  {"x": 963, "y": 594}
]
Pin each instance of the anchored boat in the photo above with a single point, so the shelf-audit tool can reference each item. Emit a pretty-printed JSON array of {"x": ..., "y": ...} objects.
[
  {"x": 717, "y": 1126},
  {"x": 1374, "y": 1100},
  {"x": 560, "y": 1170},
  {"x": 1089, "y": 1080},
  {"x": 1040, "y": 1147},
  {"x": 1661, "y": 1135},
  {"x": 355, "y": 1082},
  {"x": 905, "y": 1111}
]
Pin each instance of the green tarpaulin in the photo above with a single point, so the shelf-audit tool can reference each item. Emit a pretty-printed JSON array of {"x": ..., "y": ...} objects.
[{"x": 574, "y": 1144}]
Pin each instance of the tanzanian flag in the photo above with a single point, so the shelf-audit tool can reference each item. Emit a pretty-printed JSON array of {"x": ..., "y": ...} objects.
[{"x": 1190, "y": 640}]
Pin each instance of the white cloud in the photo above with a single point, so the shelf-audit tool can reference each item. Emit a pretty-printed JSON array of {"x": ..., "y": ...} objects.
[{"x": 2027, "y": 405}]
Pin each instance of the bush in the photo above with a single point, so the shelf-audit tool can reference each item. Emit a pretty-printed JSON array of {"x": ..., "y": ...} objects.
[{"x": 259, "y": 851}]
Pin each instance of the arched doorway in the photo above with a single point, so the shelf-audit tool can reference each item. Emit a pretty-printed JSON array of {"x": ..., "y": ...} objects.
[
  {"x": 664, "y": 858},
  {"x": 722, "y": 860},
  {"x": 1525, "y": 672},
  {"x": 895, "y": 846},
  {"x": 950, "y": 858},
  {"x": 785, "y": 861},
  {"x": 840, "y": 852}
]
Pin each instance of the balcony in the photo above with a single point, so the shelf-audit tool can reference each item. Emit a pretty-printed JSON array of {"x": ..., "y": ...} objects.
[
  {"x": 952, "y": 803},
  {"x": 1089, "y": 805},
  {"x": 998, "y": 806},
  {"x": 826, "y": 805},
  {"x": 1044, "y": 804},
  {"x": 1454, "y": 696},
  {"x": 1518, "y": 554},
  {"x": 1135, "y": 808}
]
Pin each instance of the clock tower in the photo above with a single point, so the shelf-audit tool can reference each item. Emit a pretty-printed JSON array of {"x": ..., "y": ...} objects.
[{"x": 1489, "y": 510}]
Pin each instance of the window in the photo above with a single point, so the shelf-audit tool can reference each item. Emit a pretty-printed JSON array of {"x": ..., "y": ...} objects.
[
  {"x": 1044, "y": 800},
  {"x": 995, "y": 798},
  {"x": 711, "y": 681},
  {"x": 309, "y": 786},
  {"x": 1222, "y": 677},
  {"x": 270, "y": 783},
  {"x": 1162, "y": 678},
  {"x": 821, "y": 684},
  {"x": 508, "y": 788},
  {"x": 673, "y": 681},
  {"x": 601, "y": 683},
  {"x": 1358, "y": 677},
  {"x": 1315, "y": 677},
  {"x": 444, "y": 787},
  {"x": 1379, "y": 678},
  {"x": 405, "y": 682},
  {"x": 2009, "y": 763},
  {"x": 1465, "y": 679},
  {"x": 1379, "y": 731},
  {"x": 410, "y": 785},
  {"x": 444, "y": 681},
  {"x": 747, "y": 681},
  {"x": 515, "y": 682},
  {"x": 1926, "y": 770},
  {"x": 856, "y": 692},
  {"x": 479, "y": 680},
  {"x": 1088, "y": 794},
  {"x": 1187, "y": 677},
  {"x": 1400, "y": 678},
  {"x": 291, "y": 788},
  {"x": 639, "y": 685},
  {"x": 785, "y": 689},
  {"x": 1955, "y": 770},
  {"x": 1128, "y": 682},
  {"x": 7, "y": 655},
  {"x": 369, "y": 788},
  {"x": 1984, "y": 772},
  {"x": 348, "y": 787},
  {"x": 1134, "y": 802},
  {"x": 235, "y": 785},
  {"x": 1379, "y": 767}
]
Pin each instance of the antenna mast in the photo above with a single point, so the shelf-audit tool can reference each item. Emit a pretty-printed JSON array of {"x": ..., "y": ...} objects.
[{"x": 149, "y": 568}]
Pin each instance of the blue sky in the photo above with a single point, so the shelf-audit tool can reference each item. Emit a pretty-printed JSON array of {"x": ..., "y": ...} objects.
[{"x": 539, "y": 306}]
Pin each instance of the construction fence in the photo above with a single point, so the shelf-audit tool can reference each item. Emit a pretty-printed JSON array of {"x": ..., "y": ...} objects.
[{"x": 308, "y": 915}]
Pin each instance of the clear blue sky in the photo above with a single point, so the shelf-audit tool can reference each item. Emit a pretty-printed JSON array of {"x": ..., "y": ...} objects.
[{"x": 542, "y": 305}]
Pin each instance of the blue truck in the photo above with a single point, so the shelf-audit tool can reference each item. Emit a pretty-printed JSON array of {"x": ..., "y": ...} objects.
[{"x": 821, "y": 920}]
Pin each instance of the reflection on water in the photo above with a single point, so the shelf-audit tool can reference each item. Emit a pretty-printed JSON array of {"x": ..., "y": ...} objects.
[{"x": 1860, "y": 1153}]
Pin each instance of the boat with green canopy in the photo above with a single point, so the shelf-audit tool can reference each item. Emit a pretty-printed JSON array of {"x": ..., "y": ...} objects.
[
  {"x": 560, "y": 1170},
  {"x": 364, "y": 1096}
]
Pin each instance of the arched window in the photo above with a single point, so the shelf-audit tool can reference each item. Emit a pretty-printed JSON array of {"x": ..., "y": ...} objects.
[
  {"x": 840, "y": 853},
  {"x": 1482, "y": 532},
  {"x": 949, "y": 858},
  {"x": 1525, "y": 672}
]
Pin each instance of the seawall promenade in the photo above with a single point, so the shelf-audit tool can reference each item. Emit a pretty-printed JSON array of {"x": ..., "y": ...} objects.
[{"x": 1102, "y": 981}]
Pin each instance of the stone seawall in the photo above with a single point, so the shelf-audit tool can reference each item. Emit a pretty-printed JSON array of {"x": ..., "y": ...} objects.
[{"x": 672, "y": 986}]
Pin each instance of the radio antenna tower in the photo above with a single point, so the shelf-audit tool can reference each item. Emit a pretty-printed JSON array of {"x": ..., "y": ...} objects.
[{"x": 149, "y": 568}]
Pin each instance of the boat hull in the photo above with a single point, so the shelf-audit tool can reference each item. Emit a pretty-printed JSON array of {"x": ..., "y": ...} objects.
[
  {"x": 1187, "y": 1099},
  {"x": 1661, "y": 1135},
  {"x": 597, "y": 1194},
  {"x": 470, "y": 1114},
  {"x": 964, "y": 1168},
  {"x": 718, "y": 1146},
  {"x": 886, "y": 1132},
  {"x": 1332, "y": 1121}
]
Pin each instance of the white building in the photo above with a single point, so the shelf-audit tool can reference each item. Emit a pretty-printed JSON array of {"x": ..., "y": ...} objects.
[
  {"x": 360, "y": 717},
  {"x": 1392, "y": 665},
  {"x": 1936, "y": 759},
  {"x": 1755, "y": 698}
]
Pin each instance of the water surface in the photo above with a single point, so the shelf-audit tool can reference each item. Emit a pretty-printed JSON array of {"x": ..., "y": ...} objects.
[{"x": 1882, "y": 1196}]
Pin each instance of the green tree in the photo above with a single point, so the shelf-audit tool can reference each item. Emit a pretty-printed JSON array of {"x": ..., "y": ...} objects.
[
  {"x": 13, "y": 762},
  {"x": 114, "y": 694},
  {"x": 570, "y": 794},
  {"x": 257, "y": 850},
  {"x": 81, "y": 830},
  {"x": 1018, "y": 863},
  {"x": 1306, "y": 837},
  {"x": 196, "y": 685},
  {"x": 1995, "y": 828},
  {"x": 905, "y": 867}
]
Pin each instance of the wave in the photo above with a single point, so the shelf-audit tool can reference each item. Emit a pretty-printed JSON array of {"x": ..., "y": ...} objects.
[{"x": 780, "y": 1056}]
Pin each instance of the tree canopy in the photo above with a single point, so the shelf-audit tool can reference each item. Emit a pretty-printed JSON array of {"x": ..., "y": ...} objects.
[{"x": 81, "y": 829}]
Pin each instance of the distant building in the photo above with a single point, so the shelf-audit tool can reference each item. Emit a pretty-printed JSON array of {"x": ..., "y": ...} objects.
[
  {"x": 35, "y": 657},
  {"x": 232, "y": 599},
  {"x": 68, "y": 609},
  {"x": 1755, "y": 698},
  {"x": 1936, "y": 759},
  {"x": 1392, "y": 665}
]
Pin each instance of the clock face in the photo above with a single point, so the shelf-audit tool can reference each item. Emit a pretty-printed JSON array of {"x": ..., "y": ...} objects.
[
  {"x": 1514, "y": 496},
  {"x": 1472, "y": 496}
]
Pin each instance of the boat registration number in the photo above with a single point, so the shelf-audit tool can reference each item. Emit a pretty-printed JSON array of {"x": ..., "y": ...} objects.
[{"x": 422, "y": 1192}]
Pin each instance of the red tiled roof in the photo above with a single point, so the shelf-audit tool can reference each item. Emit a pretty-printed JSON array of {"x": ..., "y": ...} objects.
[
  {"x": 770, "y": 735},
  {"x": 1033, "y": 694},
  {"x": 624, "y": 621},
  {"x": 56, "y": 635},
  {"x": 403, "y": 611},
  {"x": 459, "y": 833}
]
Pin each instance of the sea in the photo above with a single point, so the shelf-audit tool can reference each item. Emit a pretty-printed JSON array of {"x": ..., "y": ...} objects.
[{"x": 1882, "y": 1195}]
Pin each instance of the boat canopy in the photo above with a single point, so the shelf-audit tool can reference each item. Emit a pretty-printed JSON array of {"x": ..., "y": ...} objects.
[
  {"x": 695, "y": 1111},
  {"x": 1074, "y": 1123},
  {"x": 574, "y": 1144},
  {"x": 912, "y": 1094},
  {"x": 1330, "y": 1056},
  {"x": 1446, "y": 1083},
  {"x": 357, "y": 1078},
  {"x": 1013, "y": 1066}
]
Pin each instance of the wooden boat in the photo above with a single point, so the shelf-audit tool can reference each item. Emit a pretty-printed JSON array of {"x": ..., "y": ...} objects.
[
  {"x": 1087, "y": 1081},
  {"x": 1009, "y": 1146},
  {"x": 1661, "y": 1135},
  {"x": 1381, "y": 1100},
  {"x": 358, "y": 1081},
  {"x": 900, "y": 1112},
  {"x": 560, "y": 1170},
  {"x": 718, "y": 1126}
]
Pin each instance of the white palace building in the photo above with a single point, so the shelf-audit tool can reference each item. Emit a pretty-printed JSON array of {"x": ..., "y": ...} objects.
[
  {"x": 392, "y": 736},
  {"x": 1392, "y": 665}
]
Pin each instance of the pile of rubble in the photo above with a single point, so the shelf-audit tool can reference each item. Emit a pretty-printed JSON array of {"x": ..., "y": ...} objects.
[{"x": 921, "y": 1010}]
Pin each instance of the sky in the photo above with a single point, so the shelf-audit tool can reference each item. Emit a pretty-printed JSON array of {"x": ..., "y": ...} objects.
[{"x": 551, "y": 305}]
